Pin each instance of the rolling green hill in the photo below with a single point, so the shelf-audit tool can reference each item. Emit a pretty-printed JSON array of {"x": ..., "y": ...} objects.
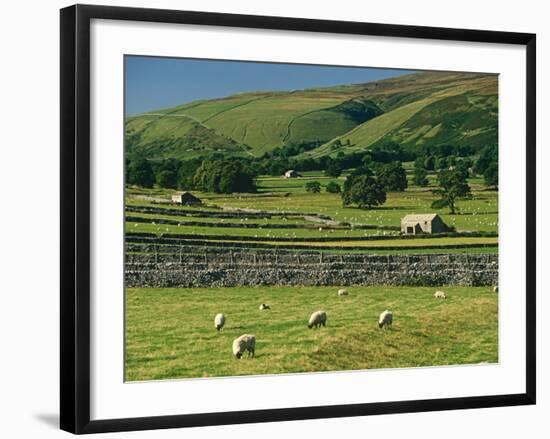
[{"x": 412, "y": 110}]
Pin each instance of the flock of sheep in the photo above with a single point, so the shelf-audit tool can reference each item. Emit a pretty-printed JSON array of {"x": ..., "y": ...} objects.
[{"x": 247, "y": 342}]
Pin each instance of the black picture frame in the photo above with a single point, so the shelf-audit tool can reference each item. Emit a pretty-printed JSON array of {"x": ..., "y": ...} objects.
[{"x": 75, "y": 217}]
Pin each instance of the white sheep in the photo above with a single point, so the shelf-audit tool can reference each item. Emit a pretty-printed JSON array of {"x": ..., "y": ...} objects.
[
  {"x": 264, "y": 306},
  {"x": 219, "y": 321},
  {"x": 385, "y": 319},
  {"x": 343, "y": 292},
  {"x": 244, "y": 343},
  {"x": 440, "y": 295},
  {"x": 317, "y": 319},
  {"x": 495, "y": 289}
]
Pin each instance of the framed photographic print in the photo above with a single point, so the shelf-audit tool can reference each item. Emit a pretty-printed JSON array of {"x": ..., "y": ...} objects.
[{"x": 292, "y": 219}]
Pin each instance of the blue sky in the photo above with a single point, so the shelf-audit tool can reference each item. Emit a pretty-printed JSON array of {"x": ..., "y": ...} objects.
[{"x": 154, "y": 83}]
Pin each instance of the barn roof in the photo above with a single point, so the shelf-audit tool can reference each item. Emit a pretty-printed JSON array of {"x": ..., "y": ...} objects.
[
  {"x": 419, "y": 218},
  {"x": 185, "y": 194}
]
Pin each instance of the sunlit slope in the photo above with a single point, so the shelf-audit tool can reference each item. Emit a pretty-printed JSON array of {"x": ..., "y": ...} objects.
[
  {"x": 464, "y": 113},
  {"x": 411, "y": 110},
  {"x": 265, "y": 123},
  {"x": 175, "y": 136}
]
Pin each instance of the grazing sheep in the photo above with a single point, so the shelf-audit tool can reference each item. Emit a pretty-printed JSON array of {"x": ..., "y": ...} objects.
[
  {"x": 219, "y": 321},
  {"x": 244, "y": 343},
  {"x": 317, "y": 319},
  {"x": 264, "y": 306},
  {"x": 343, "y": 292},
  {"x": 495, "y": 289},
  {"x": 386, "y": 319},
  {"x": 440, "y": 295}
]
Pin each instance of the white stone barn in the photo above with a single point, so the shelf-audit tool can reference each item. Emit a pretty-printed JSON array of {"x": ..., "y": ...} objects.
[{"x": 425, "y": 223}]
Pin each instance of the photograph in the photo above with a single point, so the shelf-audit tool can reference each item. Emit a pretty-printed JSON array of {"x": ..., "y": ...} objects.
[{"x": 294, "y": 218}]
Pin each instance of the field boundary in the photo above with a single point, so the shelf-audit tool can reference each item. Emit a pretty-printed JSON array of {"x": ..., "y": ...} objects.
[{"x": 246, "y": 268}]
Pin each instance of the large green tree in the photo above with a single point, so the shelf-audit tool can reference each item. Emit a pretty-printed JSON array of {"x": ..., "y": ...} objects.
[
  {"x": 364, "y": 191},
  {"x": 140, "y": 172},
  {"x": 453, "y": 186},
  {"x": 392, "y": 176}
]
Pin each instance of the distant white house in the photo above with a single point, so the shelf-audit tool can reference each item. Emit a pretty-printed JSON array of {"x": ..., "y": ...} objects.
[
  {"x": 426, "y": 223},
  {"x": 291, "y": 173},
  {"x": 185, "y": 198}
]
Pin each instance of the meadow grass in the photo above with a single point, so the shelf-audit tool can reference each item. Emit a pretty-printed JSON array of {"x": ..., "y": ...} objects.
[
  {"x": 170, "y": 332},
  {"x": 479, "y": 214},
  {"x": 260, "y": 233}
]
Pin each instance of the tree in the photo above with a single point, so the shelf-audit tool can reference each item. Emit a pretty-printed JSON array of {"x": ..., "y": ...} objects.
[
  {"x": 491, "y": 175},
  {"x": 167, "y": 178},
  {"x": 333, "y": 169},
  {"x": 333, "y": 188},
  {"x": 186, "y": 172},
  {"x": 419, "y": 162},
  {"x": 453, "y": 186},
  {"x": 488, "y": 155},
  {"x": 420, "y": 177},
  {"x": 364, "y": 191},
  {"x": 224, "y": 176},
  {"x": 313, "y": 186},
  {"x": 351, "y": 177},
  {"x": 140, "y": 173},
  {"x": 393, "y": 177},
  {"x": 429, "y": 163},
  {"x": 278, "y": 167},
  {"x": 441, "y": 163}
]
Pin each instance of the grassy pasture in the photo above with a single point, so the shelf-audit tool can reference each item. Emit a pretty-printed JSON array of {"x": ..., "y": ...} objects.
[
  {"x": 480, "y": 214},
  {"x": 259, "y": 233},
  {"x": 170, "y": 332}
]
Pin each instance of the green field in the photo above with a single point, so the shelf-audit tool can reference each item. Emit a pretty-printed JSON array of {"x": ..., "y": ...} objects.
[{"x": 170, "y": 332}]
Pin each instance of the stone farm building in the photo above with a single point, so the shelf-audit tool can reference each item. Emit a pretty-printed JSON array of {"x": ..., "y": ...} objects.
[
  {"x": 426, "y": 223},
  {"x": 291, "y": 173},
  {"x": 185, "y": 198}
]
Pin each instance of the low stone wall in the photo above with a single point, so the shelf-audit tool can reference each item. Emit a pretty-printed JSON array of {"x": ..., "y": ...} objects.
[{"x": 268, "y": 268}]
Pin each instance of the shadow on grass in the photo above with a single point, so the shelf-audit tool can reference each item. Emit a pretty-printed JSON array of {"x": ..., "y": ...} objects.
[
  {"x": 476, "y": 213},
  {"x": 379, "y": 208}
]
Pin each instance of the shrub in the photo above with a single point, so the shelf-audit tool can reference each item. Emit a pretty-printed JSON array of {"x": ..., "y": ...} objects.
[
  {"x": 333, "y": 188},
  {"x": 313, "y": 187}
]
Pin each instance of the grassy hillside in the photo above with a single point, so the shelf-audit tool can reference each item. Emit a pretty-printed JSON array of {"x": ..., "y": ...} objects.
[
  {"x": 413, "y": 110},
  {"x": 458, "y": 114}
]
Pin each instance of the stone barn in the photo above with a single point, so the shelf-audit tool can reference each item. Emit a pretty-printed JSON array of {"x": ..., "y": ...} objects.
[
  {"x": 426, "y": 223},
  {"x": 185, "y": 198},
  {"x": 291, "y": 173}
]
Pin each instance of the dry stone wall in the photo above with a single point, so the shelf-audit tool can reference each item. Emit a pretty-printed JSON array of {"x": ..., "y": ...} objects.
[{"x": 256, "y": 268}]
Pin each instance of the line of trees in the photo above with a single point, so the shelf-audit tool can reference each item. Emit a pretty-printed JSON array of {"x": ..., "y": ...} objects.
[
  {"x": 220, "y": 174},
  {"x": 217, "y": 176}
]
